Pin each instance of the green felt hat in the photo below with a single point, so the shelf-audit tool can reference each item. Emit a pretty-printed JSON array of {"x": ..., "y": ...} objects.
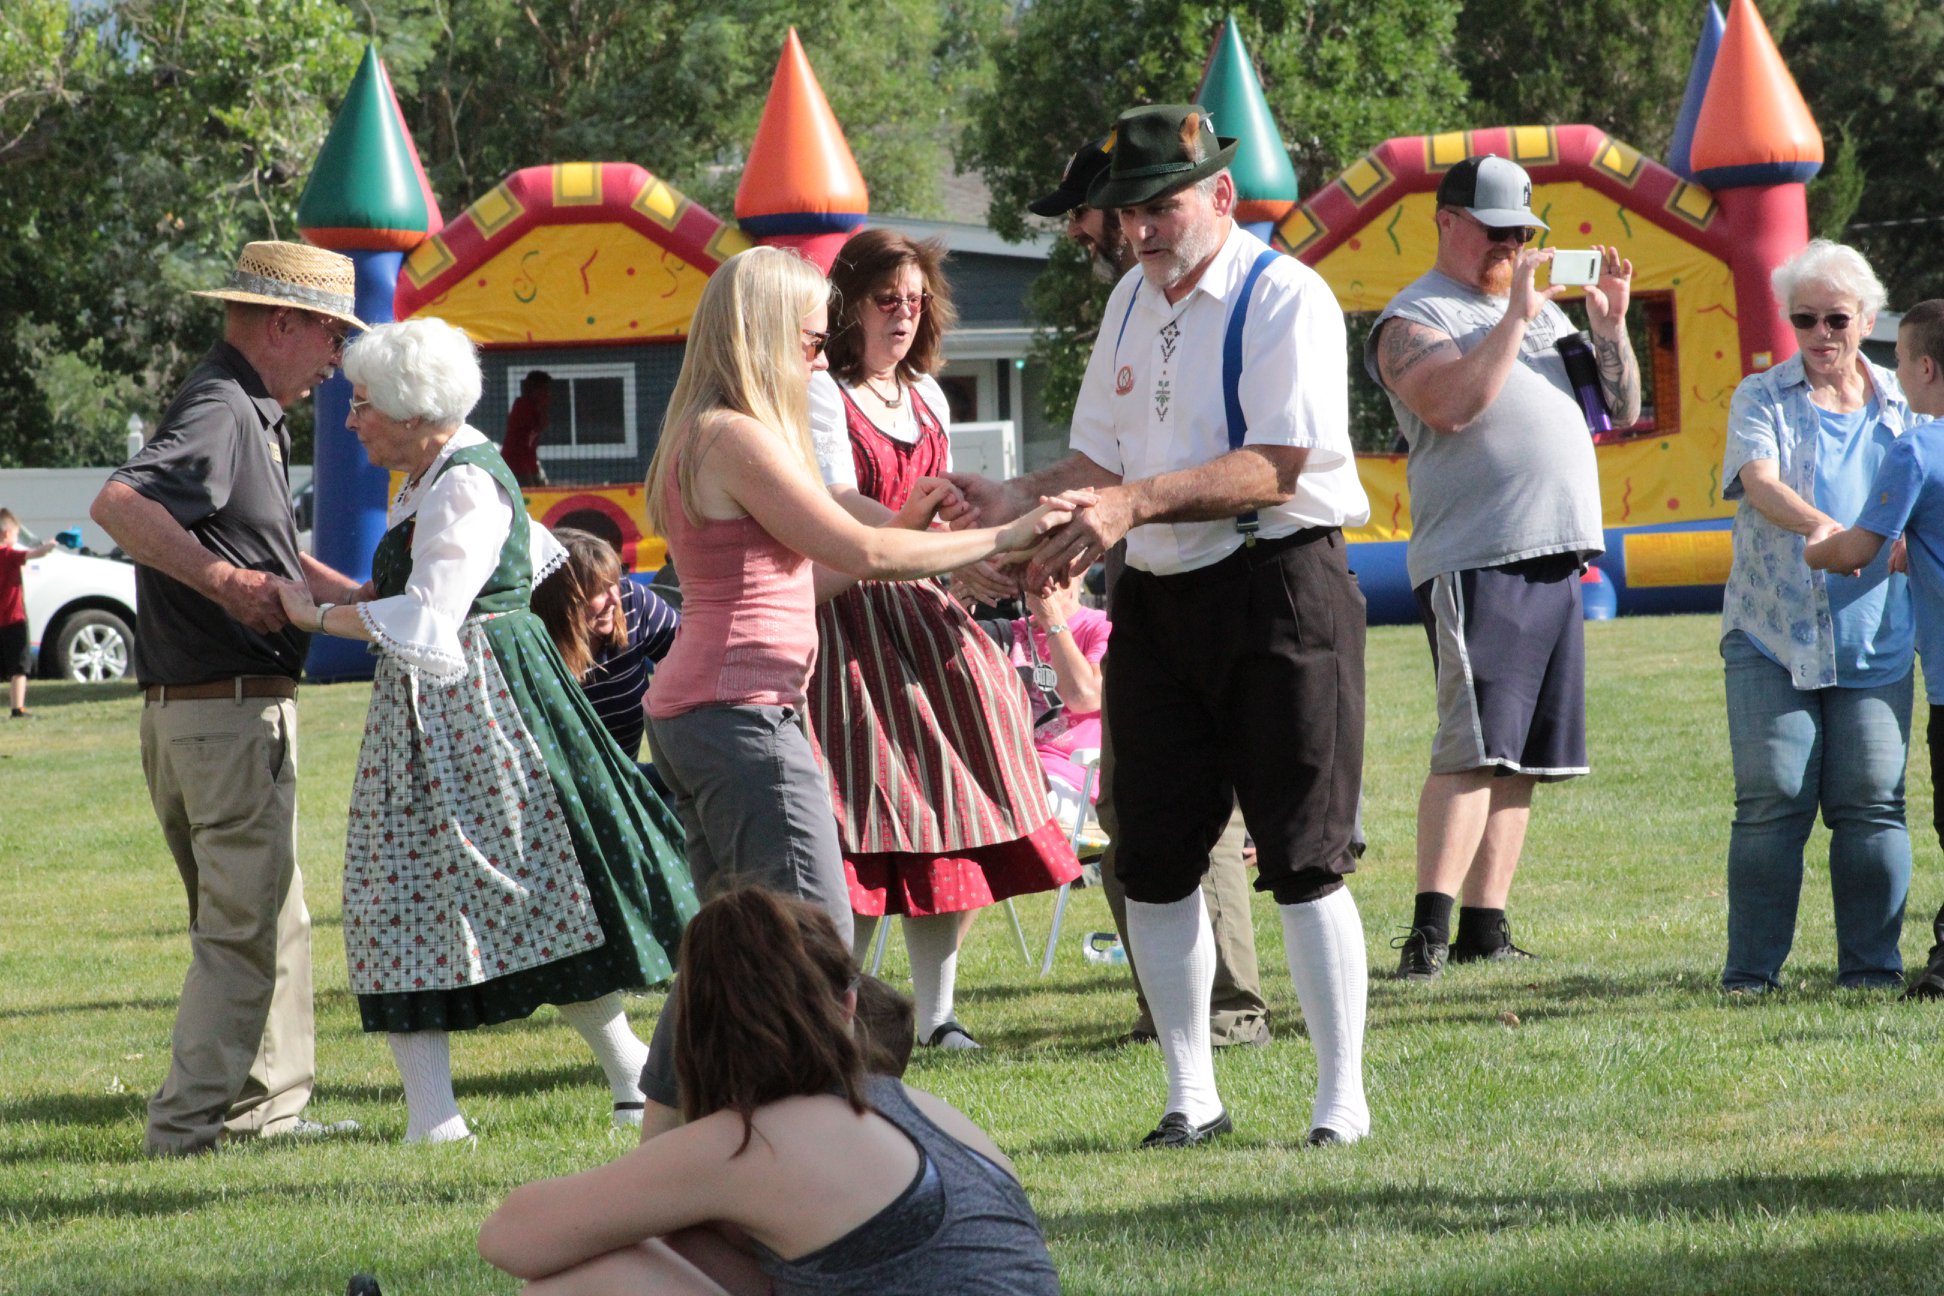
[{"x": 1156, "y": 149}]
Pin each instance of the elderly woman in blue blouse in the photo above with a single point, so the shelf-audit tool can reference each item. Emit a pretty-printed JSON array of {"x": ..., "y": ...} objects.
[
  {"x": 502, "y": 852},
  {"x": 1818, "y": 666}
]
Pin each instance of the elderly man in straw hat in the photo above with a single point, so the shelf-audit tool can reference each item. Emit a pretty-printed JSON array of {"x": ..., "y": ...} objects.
[
  {"x": 1212, "y": 431},
  {"x": 204, "y": 509}
]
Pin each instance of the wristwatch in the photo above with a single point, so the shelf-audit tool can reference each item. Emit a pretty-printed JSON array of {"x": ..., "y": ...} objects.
[
  {"x": 1057, "y": 628},
  {"x": 322, "y": 608}
]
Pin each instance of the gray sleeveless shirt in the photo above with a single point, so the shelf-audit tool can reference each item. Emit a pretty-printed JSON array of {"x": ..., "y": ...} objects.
[
  {"x": 962, "y": 1227},
  {"x": 1521, "y": 481}
]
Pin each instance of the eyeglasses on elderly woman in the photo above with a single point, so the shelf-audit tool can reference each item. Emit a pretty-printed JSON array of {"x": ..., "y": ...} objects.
[{"x": 1807, "y": 320}]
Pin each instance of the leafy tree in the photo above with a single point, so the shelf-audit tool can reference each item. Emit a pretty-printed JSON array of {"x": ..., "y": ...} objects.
[{"x": 1341, "y": 75}]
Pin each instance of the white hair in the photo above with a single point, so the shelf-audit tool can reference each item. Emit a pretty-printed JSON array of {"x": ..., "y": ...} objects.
[
  {"x": 1829, "y": 265},
  {"x": 422, "y": 368}
]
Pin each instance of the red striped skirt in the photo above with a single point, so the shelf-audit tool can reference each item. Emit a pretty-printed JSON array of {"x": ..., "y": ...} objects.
[{"x": 921, "y": 726}]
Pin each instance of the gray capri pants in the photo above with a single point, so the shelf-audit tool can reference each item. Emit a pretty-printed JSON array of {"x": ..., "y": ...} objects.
[{"x": 756, "y": 811}]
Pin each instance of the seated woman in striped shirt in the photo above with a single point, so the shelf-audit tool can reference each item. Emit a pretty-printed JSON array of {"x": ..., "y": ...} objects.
[{"x": 610, "y": 630}]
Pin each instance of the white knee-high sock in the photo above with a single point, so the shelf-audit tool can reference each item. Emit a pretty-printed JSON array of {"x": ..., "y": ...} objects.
[
  {"x": 603, "y": 1023},
  {"x": 1324, "y": 943},
  {"x": 425, "y": 1064},
  {"x": 932, "y": 943},
  {"x": 863, "y": 931},
  {"x": 1174, "y": 947}
]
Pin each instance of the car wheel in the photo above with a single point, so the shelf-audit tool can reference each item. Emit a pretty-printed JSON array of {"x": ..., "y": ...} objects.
[{"x": 92, "y": 647}]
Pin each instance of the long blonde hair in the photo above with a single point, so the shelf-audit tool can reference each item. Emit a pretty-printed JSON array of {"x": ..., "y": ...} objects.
[{"x": 745, "y": 355}]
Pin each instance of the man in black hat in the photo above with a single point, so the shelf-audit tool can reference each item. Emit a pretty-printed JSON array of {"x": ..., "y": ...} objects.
[
  {"x": 1212, "y": 431},
  {"x": 1505, "y": 512},
  {"x": 1237, "y": 1012}
]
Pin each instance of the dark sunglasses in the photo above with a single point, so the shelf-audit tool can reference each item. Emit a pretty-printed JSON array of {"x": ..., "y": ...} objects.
[
  {"x": 814, "y": 343},
  {"x": 1520, "y": 234},
  {"x": 1807, "y": 320}
]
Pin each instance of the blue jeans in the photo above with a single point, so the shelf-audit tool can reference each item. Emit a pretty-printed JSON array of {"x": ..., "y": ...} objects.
[{"x": 1843, "y": 749}]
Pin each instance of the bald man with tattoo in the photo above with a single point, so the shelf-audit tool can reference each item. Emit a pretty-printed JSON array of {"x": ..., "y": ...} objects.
[{"x": 1505, "y": 514}]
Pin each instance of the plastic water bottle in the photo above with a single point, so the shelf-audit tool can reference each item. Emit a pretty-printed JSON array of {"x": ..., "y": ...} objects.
[{"x": 1104, "y": 947}]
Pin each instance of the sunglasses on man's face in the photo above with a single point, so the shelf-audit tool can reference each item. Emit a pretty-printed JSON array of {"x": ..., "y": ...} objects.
[
  {"x": 1521, "y": 234},
  {"x": 1838, "y": 321}
]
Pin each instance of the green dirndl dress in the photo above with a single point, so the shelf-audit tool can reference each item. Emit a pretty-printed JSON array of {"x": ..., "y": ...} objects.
[{"x": 502, "y": 852}]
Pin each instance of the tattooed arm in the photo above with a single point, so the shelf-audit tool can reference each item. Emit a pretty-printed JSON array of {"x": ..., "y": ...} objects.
[
  {"x": 1423, "y": 368},
  {"x": 1606, "y": 317}
]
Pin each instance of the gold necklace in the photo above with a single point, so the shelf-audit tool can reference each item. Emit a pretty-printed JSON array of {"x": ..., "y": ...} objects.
[{"x": 896, "y": 399}]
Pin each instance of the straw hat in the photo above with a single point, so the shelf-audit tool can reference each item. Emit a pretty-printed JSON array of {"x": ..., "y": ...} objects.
[{"x": 293, "y": 274}]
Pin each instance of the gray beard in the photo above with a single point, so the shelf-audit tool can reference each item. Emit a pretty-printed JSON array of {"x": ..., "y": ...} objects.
[{"x": 1194, "y": 247}]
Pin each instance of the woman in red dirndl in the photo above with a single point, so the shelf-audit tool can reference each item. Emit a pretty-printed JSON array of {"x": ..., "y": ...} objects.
[{"x": 920, "y": 721}]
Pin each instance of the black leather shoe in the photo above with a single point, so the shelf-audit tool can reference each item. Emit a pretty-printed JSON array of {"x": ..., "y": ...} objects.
[
  {"x": 1500, "y": 951},
  {"x": 1324, "y": 1136},
  {"x": 362, "y": 1284},
  {"x": 1928, "y": 984},
  {"x": 1423, "y": 959},
  {"x": 1174, "y": 1131}
]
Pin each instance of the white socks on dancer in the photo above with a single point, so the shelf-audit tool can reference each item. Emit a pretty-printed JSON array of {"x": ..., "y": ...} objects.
[
  {"x": 932, "y": 943},
  {"x": 1324, "y": 943},
  {"x": 604, "y": 1025},
  {"x": 425, "y": 1064},
  {"x": 1175, "y": 947}
]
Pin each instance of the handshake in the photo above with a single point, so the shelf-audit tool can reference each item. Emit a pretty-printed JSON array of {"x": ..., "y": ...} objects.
[{"x": 1051, "y": 540}]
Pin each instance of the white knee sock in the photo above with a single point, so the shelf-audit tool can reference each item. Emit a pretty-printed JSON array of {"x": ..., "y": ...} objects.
[
  {"x": 932, "y": 943},
  {"x": 1324, "y": 943},
  {"x": 1174, "y": 946},
  {"x": 604, "y": 1025},
  {"x": 425, "y": 1064}
]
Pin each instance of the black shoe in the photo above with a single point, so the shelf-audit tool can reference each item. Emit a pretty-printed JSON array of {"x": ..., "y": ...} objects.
[
  {"x": 1174, "y": 1131},
  {"x": 951, "y": 1035},
  {"x": 1928, "y": 984},
  {"x": 1423, "y": 959},
  {"x": 1135, "y": 1036},
  {"x": 362, "y": 1284},
  {"x": 1500, "y": 951},
  {"x": 1324, "y": 1136}
]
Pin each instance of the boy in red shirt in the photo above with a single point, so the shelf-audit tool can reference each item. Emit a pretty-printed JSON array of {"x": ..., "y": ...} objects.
[{"x": 13, "y": 608}]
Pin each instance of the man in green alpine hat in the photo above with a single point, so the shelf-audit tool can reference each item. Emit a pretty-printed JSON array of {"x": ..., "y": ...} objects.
[{"x": 1212, "y": 432}]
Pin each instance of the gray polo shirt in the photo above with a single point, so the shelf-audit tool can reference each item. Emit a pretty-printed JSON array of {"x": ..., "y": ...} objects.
[
  {"x": 1521, "y": 481},
  {"x": 217, "y": 464}
]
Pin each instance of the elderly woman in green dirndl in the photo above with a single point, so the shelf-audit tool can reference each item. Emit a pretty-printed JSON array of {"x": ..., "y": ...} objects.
[{"x": 502, "y": 852}]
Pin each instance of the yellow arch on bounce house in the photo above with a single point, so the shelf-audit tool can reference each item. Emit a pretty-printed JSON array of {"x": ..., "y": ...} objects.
[{"x": 1370, "y": 233}]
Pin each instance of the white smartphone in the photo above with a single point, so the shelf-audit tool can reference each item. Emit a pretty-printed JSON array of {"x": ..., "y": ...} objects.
[{"x": 1576, "y": 268}]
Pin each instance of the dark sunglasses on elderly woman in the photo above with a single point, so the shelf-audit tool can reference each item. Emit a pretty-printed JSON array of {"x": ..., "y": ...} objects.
[{"x": 1807, "y": 320}]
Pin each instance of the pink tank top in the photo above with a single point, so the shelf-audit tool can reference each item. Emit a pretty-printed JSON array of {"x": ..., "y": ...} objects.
[{"x": 749, "y": 630}]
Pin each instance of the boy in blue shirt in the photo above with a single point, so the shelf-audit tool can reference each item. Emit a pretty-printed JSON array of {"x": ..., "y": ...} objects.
[{"x": 1907, "y": 500}]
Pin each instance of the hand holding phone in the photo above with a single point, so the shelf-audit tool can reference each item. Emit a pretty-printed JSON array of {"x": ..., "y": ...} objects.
[{"x": 1575, "y": 268}]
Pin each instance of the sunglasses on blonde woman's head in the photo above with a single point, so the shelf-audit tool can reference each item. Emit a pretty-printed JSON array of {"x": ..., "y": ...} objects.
[
  {"x": 1807, "y": 320},
  {"x": 814, "y": 343},
  {"x": 891, "y": 303}
]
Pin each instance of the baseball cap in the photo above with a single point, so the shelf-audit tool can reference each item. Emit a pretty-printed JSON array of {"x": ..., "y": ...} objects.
[
  {"x": 1088, "y": 161},
  {"x": 1496, "y": 192}
]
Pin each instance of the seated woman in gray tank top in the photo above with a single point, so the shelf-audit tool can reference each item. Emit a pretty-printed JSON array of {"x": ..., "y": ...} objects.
[{"x": 795, "y": 1172}]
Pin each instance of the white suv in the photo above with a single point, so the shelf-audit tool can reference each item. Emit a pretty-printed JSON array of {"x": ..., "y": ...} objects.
[{"x": 80, "y": 614}]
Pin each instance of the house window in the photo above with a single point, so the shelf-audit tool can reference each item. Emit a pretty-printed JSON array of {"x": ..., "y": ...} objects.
[{"x": 593, "y": 414}]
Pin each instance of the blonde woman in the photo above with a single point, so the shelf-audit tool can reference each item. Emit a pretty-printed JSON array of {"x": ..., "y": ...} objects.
[{"x": 735, "y": 491}]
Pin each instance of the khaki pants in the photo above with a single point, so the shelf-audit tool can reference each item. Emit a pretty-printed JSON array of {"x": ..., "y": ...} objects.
[
  {"x": 222, "y": 775},
  {"x": 1237, "y": 1012}
]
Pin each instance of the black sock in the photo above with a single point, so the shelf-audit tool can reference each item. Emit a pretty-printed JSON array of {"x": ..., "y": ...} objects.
[
  {"x": 1481, "y": 929},
  {"x": 1433, "y": 916}
]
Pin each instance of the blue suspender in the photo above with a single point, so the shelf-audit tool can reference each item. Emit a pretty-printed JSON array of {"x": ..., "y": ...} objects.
[{"x": 1238, "y": 426}]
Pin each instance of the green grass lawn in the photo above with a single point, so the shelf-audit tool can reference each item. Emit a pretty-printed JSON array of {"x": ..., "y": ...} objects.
[{"x": 1601, "y": 1120}]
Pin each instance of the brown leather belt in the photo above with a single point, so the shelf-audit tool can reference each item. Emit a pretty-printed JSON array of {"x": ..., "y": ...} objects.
[{"x": 242, "y": 686}]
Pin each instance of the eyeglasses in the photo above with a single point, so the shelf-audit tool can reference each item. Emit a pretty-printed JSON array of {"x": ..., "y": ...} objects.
[
  {"x": 1837, "y": 321},
  {"x": 814, "y": 343},
  {"x": 891, "y": 303},
  {"x": 357, "y": 407},
  {"x": 1521, "y": 234}
]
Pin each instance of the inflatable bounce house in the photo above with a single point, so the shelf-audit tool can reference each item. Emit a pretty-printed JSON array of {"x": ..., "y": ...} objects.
[
  {"x": 590, "y": 271},
  {"x": 1703, "y": 232}
]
